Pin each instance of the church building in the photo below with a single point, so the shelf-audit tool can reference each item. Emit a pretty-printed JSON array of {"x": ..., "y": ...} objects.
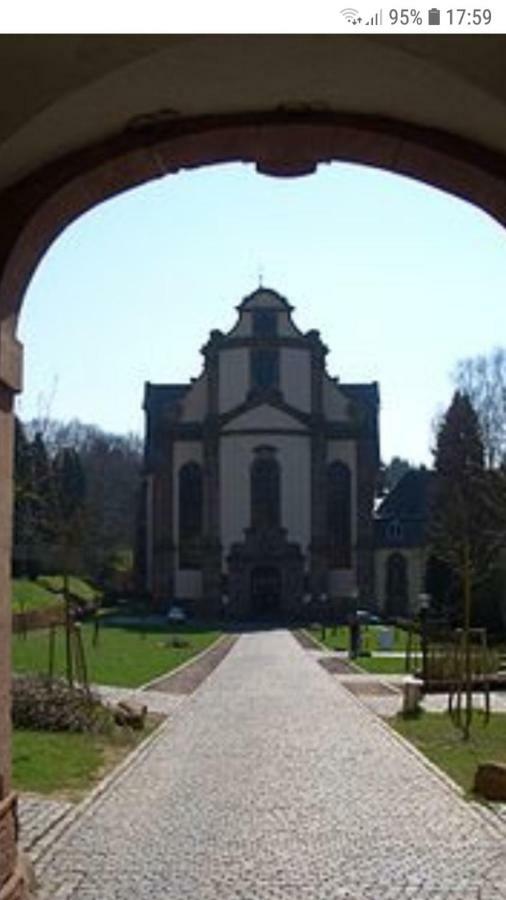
[{"x": 260, "y": 475}]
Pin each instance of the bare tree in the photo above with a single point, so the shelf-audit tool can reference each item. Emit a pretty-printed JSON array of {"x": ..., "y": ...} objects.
[{"x": 483, "y": 379}]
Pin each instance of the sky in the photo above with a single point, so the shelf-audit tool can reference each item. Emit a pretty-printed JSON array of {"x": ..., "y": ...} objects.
[{"x": 402, "y": 280}]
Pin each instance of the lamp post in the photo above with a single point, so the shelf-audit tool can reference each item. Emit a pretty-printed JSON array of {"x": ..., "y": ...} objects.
[
  {"x": 423, "y": 611},
  {"x": 323, "y": 604}
]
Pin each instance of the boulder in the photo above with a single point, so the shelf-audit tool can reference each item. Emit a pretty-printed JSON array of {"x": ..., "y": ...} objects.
[
  {"x": 490, "y": 781},
  {"x": 133, "y": 715}
]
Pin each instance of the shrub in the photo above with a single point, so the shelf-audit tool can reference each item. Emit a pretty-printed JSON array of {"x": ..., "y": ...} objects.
[{"x": 41, "y": 704}]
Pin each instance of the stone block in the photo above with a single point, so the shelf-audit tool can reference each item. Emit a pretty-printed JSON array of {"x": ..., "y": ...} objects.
[
  {"x": 130, "y": 714},
  {"x": 490, "y": 781}
]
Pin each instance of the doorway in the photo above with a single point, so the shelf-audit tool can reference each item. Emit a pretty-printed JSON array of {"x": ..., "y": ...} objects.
[{"x": 266, "y": 591}]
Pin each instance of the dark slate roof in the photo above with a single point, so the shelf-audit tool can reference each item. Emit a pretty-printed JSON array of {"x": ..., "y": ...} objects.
[
  {"x": 409, "y": 497},
  {"x": 362, "y": 393},
  {"x": 163, "y": 396},
  {"x": 276, "y": 298},
  {"x": 401, "y": 518}
]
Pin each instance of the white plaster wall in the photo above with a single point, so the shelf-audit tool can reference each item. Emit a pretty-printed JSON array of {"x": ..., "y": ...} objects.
[
  {"x": 195, "y": 401},
  {"x": 346, "y": 452},
  {"x": 263, "y": 417},
  {"x": 188, "y": 584},
  {"x": 236, "y": 457},
  {"x": 335, "y": 404},
  {"x": 233, "y": 378},
  {"x": 295, "y": 372}
]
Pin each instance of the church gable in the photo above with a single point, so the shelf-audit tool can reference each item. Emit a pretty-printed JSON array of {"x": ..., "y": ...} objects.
[
  {"x": 194, "y": 404},
  {"x": 264, "y": 418},
  {"x": 264, "y": 313}
]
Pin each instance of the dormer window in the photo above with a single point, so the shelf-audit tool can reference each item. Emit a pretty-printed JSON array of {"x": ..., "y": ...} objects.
[
  {"x": 265, "y": 323},
  {"x": 264, "y": 368},
  {"x": 395, "y": 531}
]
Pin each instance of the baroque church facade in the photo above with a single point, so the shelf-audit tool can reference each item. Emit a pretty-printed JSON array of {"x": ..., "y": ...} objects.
[{"x": 260, "y": 475}]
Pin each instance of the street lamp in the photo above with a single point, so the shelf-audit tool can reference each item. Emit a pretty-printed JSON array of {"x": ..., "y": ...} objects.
[{"x": 423, "y": 612}]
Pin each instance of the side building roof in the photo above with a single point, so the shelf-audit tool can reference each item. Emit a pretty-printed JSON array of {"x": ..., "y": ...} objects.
[
  {"x": 407, "y": 505},
  {"x": 158, "y": 397}
]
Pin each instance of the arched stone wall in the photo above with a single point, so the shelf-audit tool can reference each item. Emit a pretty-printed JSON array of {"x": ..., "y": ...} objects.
[{"x": 282, "y": 142}]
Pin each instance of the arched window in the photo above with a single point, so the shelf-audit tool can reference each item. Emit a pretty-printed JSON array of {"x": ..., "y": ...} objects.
[
  {"x": 190, "y": 515},
  {"x": 265, "y": 490},
  {"x": 339, "y": 515},
  {"x": 396, "y": 585}
]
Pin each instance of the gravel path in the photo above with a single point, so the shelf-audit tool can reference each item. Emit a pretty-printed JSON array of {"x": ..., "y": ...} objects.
[{"x": 272, "y": 782}]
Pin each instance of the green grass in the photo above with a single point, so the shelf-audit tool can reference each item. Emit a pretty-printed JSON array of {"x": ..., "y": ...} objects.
[
  {"x": 28, "y": 595},
  {"x": 339, "y": 639},
  {"x": 69, "y": 764},
  {"x": 382, "y": 665},
  {"x": 440, "y": 740},
  {"x": 77, "y": 586},
  {"x": 125, "y": 656},
  {"x": 45, "y": 762}
]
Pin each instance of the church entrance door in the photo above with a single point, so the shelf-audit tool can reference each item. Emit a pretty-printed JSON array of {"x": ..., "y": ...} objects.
[{"x": 266, "y": 591}]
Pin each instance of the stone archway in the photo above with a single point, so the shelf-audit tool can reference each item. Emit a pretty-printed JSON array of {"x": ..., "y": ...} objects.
[{"x": 283, "y": 139}]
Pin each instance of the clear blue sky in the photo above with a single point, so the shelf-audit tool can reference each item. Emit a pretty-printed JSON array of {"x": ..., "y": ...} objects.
[{"x": 402, "y": 280}]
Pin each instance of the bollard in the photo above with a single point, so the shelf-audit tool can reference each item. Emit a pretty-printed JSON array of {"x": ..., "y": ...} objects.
[{"x": 411, "y": 695}]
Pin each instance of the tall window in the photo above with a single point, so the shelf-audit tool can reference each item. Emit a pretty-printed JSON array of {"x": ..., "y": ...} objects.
[
  {"x": 264, "y": 367},
  {"x": 265, "y": 323},
  {"x": 265, "y": 490},
  {"x": 339, "y": 515},
  {"x": 190, "y": 515}
]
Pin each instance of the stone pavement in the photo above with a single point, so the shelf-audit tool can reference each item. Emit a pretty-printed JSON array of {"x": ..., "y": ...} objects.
[
  {"x": 38, "y": 816},
  {"x": 272, "y": 782}
]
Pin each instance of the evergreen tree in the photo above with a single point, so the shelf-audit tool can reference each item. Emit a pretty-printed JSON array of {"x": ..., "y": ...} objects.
[{"x": 468, "y": 514}]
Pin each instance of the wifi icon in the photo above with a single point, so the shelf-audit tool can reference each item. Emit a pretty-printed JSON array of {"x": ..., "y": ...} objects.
[{"x": 351, "y": 15}]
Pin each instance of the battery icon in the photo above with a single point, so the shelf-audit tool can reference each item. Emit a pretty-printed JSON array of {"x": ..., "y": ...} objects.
[{"x": 434, "y": 17}]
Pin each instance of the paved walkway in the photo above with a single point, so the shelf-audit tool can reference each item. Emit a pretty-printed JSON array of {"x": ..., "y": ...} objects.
[{"x": 273, "y": 783}]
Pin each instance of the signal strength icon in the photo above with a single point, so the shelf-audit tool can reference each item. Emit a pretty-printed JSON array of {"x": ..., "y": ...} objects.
[
  {"x": 352, "y": 16},
  {"x": 376, "y": 20}
]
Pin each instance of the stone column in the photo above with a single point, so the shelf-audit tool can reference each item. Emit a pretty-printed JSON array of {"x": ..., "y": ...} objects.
[{"x": 12, "y": 884}]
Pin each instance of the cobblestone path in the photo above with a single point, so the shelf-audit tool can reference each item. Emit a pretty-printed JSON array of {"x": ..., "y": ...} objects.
[{"x": 273, "y": 783}]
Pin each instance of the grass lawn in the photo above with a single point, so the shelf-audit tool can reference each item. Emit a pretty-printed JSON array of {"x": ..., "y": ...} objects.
[
  {"x": 68, "y": 764},
  {"x": 126, "y": 657},
  {"x": 340, "y": 640},
  {"x": 28, "y": 595},
  {"x": 77, "y": 586},
  {"x": 382, "y": 665},
  {"x": 437, "y": 737}
]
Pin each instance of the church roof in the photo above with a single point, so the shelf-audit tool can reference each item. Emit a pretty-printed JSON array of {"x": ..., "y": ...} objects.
[
  {"x": 162, "y": 396},
  {"x": 409, "y": 498},
  {"x": 264, "y": 298},
  {"x": 402, "y": 517}
]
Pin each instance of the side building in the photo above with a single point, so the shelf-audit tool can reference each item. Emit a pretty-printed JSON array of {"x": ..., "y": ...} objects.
[
  {"x": 402, "y": 549},
  {"x": 260, "y": 474}
]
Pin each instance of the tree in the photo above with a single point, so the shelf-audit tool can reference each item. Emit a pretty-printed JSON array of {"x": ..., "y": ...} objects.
[
  {"x": 483, "y": 379},
  {"x": 467, "y": 526},
  {"x": 112, "y": 468},
  {"x": 69, "y": 493}
]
